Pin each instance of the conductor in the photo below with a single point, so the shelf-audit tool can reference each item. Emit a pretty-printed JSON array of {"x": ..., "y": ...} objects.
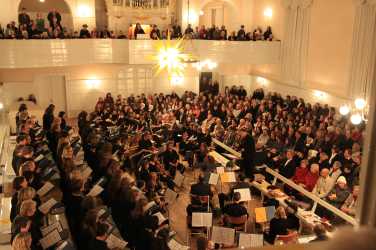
[{"x": 247, "y": 153}]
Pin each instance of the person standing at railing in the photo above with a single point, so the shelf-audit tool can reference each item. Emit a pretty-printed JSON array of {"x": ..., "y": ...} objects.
[{"x": 23, "y": 18}]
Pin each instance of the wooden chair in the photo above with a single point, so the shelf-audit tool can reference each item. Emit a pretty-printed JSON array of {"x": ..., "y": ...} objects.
[
  {"x": 237, "y": 223},
  {"x": 290, "y": 238}
]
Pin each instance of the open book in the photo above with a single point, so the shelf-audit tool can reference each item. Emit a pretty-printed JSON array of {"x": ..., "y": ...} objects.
[
  {"x": 114, "y": 242},
  {"x": 213, "y": 179},
  {"x": 174, "y": 245},
  {"x": 95, "y": 191},
  {"x": 223, "y": 235},
  {"x": 251, "y": 240},
  {"x": 264, "y": 214},
  {"x": 202, "y": 219},
  {"x": 245, "y": 194},
  {"x": 48, "y": 229},
  {"x": 47, "y": 187},
  {"x": 228, "y": 177},
  {"x": 161, "y": 218},
  {"x": 220, "y": 170},
  {"x": 46, "y": 207},
  {"x": 50, "y": 240}
]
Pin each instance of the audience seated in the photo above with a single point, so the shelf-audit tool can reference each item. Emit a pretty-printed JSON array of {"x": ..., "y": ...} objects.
[
  {"x": 278, "y": 225},
  {"x": 135, "y": 147}
]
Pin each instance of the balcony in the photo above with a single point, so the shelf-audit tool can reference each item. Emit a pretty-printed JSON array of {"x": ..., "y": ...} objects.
[{"x": 58, "y": 53}]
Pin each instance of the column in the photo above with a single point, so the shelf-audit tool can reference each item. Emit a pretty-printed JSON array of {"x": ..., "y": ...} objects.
[
  {"x": 363, "y": 49},
  {"x": 295, "y": 45},
  {"x": 366, "y": 213}
]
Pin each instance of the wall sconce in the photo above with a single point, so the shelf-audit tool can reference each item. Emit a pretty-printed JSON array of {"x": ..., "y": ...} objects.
[
  {"x": 358, "y": 111},
  {"x": 268, "y": 12},
  {"x": 83, "y": 11},
  {"x": 42, "y": 1},
  {"x": 262, "y": 81},
  {"x": 92, "y": 83},
  {"x": 1, "y": 105},
  {"x": 319, "y": 94},
  {"x": 201, "y": 13}
]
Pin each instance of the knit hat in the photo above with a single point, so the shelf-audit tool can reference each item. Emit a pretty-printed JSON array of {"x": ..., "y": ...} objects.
[{"x": 342, "y": 179}]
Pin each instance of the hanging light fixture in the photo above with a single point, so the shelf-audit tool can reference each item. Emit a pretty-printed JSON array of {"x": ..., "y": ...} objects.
[
  {"x": 344, "y": 110},
  {"x": 358, "y": 111}
]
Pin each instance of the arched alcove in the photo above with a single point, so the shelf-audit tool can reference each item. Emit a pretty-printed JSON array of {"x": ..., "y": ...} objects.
[
  {"x": 219, "y": 13},
  {"x": 101, "y": 14},
  {"x": 35, "y": 6}
]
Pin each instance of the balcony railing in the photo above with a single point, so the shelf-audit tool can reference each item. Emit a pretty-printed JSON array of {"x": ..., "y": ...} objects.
[{"x": 52, "y": 53}]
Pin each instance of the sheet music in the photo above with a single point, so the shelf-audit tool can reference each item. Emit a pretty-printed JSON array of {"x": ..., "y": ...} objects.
[
  {"x": 174, "y": 245},
  {"x": 86, "y": 172},
  {"x": 251, "y": 240},
  {"x": 149, "y": 205},
  {"x": 50, "y": 239},
  {"x": 62, "y": 246},
  {"x": 161, "y": 218},
  {"x": 48, "y": 229},
  {"x": 223, "y": 235},
  {"x": 95, "y": 191},
  {"x": 114, "y": 242},
  {"x": 220, "y": 170},
  {"x": 245, "y": 194},
  {"x": 228, "y": 177},
  {"x": 170, "y": 196},
  {"x": 46, "y": 207},
  {"x": 306, "y": 239},
  {"x": 179, "y": 178},
  {"x": 45, "y": 189},
  {"x": 213, "y": 179},
  {"x": 202, "y": 219},
  {"x": 40, "y": 157}
]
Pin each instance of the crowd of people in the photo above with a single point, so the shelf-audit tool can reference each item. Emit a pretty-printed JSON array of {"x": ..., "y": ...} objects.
[
  {"x": 52, "y": 28},
  {"x": 136, "y": 146}
]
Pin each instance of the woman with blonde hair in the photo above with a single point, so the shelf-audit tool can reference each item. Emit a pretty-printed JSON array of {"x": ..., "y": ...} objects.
[
  {"x": 28, "y": 208},
  {"x": 22, "y": 242},
  {"x": 278, "y": 225},
  {"x": 24, "y": 194}
]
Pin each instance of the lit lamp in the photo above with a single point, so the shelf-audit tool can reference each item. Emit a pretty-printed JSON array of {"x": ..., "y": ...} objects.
[
  {"x": 92, "y": 83},
  {"x": 359, "y": 111},
  {"x": 1, "y": 105},
  {"x": 83, "y": 11},
  {"x": 268, "y": 12}
]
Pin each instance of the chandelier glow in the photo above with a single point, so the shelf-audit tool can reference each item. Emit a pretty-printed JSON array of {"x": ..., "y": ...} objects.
[{"x": 170, "y": 57}]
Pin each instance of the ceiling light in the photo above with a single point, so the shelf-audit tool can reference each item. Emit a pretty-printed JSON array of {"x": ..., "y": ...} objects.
[
  {"x": 356, "y": 119},
  {"x": 360, "y": 103},
  {"x": 344, "y": 110},
  {"x": 268, "y": 12}
]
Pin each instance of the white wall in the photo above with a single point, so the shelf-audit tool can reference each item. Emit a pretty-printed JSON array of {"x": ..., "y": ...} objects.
[
  {"x": 82, "y": 85},
  {"x": 9, "y": 12}
]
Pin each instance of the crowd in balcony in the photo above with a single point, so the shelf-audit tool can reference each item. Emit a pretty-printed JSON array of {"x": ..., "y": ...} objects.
[{"x": 39, "y": 28}]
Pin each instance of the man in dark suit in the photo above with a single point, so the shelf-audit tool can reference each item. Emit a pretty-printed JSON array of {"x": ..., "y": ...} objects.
[
  {"x": 201, "y": 188},
  {"x": 247, "y": 153},
  {"x": 24, "y": 18},
  {"x": 287, "y": 169},
  {"x": 235, "y": 209}
]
